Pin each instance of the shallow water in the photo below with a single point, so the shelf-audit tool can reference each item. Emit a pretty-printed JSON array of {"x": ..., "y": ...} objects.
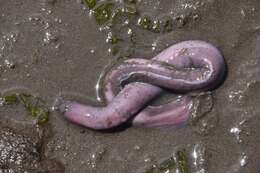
[{"x": 50, "y": 47}]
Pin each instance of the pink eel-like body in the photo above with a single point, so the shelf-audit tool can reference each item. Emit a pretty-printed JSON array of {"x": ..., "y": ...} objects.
[{"x": 183, "y": 67}]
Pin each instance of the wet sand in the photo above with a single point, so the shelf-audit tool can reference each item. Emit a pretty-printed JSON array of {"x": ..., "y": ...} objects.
[{"x": 57, "y": 47}]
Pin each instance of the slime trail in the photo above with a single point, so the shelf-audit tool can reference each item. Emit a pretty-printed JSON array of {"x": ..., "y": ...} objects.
[{"x": 184, "y": 67}]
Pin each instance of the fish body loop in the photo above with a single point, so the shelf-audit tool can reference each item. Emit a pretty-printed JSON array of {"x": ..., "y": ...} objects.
[{"x": 183, "y": 67}]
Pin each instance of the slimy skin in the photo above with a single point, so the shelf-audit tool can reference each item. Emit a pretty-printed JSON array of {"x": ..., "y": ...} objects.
[
  {"x": 171, "y": 115},
  {"x": 184, "y": 67}
]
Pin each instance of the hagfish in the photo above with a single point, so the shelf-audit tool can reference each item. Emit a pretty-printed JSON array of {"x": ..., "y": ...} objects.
[{"x": 128, "y": 88}]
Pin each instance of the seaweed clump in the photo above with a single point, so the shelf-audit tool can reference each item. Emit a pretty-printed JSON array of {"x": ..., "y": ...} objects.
[
  {"x": 34, "y": 105},
  {"x": 178, "y": 161}
]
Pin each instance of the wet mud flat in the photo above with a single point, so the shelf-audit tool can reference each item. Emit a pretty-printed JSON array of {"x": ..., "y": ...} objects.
[
  {"x": 48, "y": 47},
  {"x": 21, "y": 148}
]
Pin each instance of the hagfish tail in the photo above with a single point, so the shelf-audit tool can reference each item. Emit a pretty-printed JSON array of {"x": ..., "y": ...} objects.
[{"x": 184, "y": 67}]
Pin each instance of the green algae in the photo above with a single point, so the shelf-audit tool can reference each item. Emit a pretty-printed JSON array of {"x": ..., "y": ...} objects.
[
  {"x": 114, "y": 40},
  {"x": 129, "y": 9},
  {"x": 34, "y": 106},
  {"x": 156, "y": 26},
  {"x": 103, "y": 12},
  {"x": 122, "y": 20},
  {"x": 168, "y": 164},
  {"x": 177, "y": 162},
  {"x": 167, "y": 24},
  {"x": 90, "y": 3},
  {"x": 131, "y": 1},
  {"x": 115, "y": 50},
  {"x": 10, "y": 99},
  {"x": 119, "y": 17},
  {"x": 182, "y": 161},
  {"x": 145, "y": 22}
]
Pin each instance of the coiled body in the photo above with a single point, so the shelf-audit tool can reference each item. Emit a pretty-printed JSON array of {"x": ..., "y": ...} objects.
[{"x": 184, "y": 67}]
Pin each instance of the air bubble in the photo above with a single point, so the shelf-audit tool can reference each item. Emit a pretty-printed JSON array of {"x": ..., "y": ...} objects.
[
  {"x": 198, "y": 156},
  {"x": 236, "y": 131},
  {"x": 9, "y": 64},
  {"x": 243, "y": 160},
  {"x": 49, "y": 37}
]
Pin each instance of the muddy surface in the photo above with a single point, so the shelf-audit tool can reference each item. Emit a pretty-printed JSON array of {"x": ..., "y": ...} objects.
[
  {"x": 21, "y": 148},
  {"x": 49, "y": 47}
]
